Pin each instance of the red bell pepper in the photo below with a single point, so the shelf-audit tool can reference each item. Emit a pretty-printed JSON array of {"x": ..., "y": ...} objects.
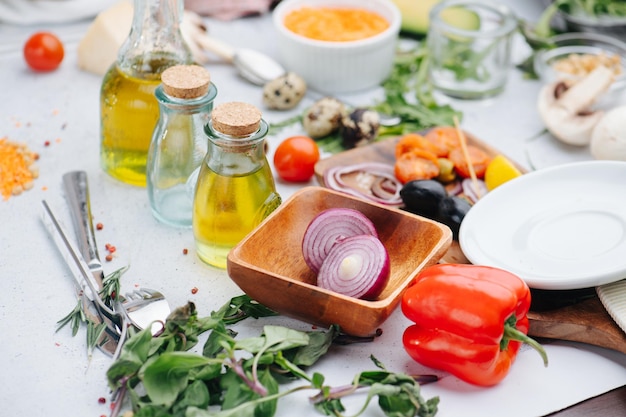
[{"x": 469, "y": 320}]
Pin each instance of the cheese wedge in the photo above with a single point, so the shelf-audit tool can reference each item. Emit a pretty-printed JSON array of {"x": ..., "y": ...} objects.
[{"x": 97, "y": 51}]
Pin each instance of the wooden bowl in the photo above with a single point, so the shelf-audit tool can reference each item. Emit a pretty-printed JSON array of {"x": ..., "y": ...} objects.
[{"x": 268, "y": 264}]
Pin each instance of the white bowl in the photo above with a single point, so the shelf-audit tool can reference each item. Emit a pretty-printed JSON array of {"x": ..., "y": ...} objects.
[{"x": 339, "y": 67}]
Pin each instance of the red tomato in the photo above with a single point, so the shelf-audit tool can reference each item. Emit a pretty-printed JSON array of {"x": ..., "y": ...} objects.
[
  {"x": 43, "y": 51},
  {"x": 295, "y": 158}
]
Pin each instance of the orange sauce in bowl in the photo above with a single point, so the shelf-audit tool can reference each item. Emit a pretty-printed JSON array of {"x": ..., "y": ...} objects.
[{"x": 335, "y": 24}]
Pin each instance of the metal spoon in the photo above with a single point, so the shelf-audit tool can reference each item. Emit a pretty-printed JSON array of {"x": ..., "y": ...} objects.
[{"x": 259, "y": 69}]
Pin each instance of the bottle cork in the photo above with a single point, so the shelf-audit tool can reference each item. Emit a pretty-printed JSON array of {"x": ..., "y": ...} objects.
[
  {"x": 186, "y": 81},
  {"x": 236, "y": 118}
]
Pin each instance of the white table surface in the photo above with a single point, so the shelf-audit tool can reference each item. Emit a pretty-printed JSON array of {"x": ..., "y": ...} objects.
[{"x": 48, "y": 373}]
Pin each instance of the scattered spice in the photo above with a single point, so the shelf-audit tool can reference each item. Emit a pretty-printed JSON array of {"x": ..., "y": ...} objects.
[
  {"x": 194, "y": 290},
  {"x": 46, "y": 143},
  {"x": 17, "y": 168},
  {"x": 108, "y": 258},
  {"x": 99, "y": 226},
  {"x": 102, "y": 400},
  {"x": 185, "y": 251}
]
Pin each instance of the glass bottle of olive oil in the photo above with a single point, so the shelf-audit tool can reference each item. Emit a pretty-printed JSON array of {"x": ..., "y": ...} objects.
[
  {"x": 235, "y": 189},
  {"x": 128, "y": 108}
]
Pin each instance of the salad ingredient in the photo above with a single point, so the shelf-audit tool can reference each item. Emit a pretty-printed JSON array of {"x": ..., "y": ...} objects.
[
  {"x": 416, "y": 164},
  {"x": 359, "y": 127},
  {"x": 447, "y": 174},
  {"x": 357, "y": 266},
  {"x": 97, "y": 50},
  {"x": 330, "y": 227},
  {"x": 372, "y": 181},
  {"x": 242, "y": 377},
  {"x": 580, "y": 65},
  {"x": 608, "y": 139},
  {"x": 499, "y": 171},
  {"x": 412, "y": 141},
  {"x": 43, "y": 51},
  {"x": 323, "y": 117},
  {"x": 452, "y": 211},
  {"x": 415, "y": 17},
  {"x": 566, "y": 110},
  {"x": 17, "y": 168},
  {"x": 478, "y": 158},
  {"x": 284, "y": 92},
  {"x": 295, "y": 158},
  {"x": 335, "y": 24},
  {"x": 423, "y": 197},
  {"x": 473, "y": 190},
  {"x": 445, "y": 138},
  {"x": 479, "y": 342}
]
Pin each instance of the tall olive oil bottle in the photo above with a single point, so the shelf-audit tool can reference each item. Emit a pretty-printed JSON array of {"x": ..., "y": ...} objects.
[{"x": 128, "y": 107}]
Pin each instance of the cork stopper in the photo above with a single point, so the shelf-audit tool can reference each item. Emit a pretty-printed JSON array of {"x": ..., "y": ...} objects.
[
  {"x": 236, "y": 118},
  {"x": 186, "y": 81}
]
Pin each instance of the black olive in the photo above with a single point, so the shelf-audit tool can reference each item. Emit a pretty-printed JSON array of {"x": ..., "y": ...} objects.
[
  {"x": 452, "y": 210},
  {"x": 423, "y": 197}
]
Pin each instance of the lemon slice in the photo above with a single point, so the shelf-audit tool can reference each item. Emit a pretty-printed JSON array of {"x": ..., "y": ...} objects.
[{"x": 499, "y": 171}]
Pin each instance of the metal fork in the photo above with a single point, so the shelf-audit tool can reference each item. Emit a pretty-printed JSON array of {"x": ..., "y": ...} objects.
[{"x": 146, "y": 307}]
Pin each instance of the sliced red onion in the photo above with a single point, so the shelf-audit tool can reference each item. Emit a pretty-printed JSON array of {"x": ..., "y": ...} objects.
[
  {"x": 357, "y": 267},
  {"x": 376, "y": 171},
  {"x": 330, "y": 227},
  {"x": 474, "y": 189}
]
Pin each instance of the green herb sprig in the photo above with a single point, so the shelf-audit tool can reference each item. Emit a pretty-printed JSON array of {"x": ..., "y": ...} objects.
[{"x": 242, "y": 377}]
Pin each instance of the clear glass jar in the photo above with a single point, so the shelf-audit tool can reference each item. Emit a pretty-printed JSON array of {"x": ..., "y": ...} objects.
[
  {"x": 178, "y": 144},
  {"x": 470, "y": 47},
  {"x": 235, "y": 189},
  {"x": 128, "y": 108}
]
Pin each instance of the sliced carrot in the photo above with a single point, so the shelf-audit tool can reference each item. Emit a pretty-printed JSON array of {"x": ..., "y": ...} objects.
[
  {"x": 478, "y": 158},
  {"x": 416, "y": 164},
  {"x": 445, "y": 138}
]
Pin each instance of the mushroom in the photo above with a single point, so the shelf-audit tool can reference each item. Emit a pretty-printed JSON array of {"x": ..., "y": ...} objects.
[
  {"x": 608, "y": 139},
  {"x": 359, "y": 127},
  {"x": 323, "y": 117},
  {"x": 566, "y": 110},
  {"x": 284, "y": 92}
]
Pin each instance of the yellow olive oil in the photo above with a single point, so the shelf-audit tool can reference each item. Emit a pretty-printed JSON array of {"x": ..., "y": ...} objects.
[
  {"x": 227, "y": 208},
  {"x": 129, "y": 112}
]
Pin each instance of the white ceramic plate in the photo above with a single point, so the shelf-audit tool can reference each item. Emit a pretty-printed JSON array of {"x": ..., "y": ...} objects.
[{"x": 556, "y": 228}]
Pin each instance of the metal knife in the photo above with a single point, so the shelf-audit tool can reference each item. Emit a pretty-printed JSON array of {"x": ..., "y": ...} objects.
[
  {"x": 80, "y": 272},
  {"x": 77, "y": 190}
]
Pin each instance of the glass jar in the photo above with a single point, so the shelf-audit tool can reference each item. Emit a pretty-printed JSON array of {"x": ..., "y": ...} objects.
[
  {"x": 470, "y": 47},
  {"x": 128, "y": 108},
  {"x": 235, "y": 189},
  {"x": 179, "y": 144}
]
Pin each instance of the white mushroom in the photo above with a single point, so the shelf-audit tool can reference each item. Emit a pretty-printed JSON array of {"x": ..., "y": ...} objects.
[
  {"x": 567, "y": 110},
  {"x": 608, "y": 140},
  {"x": 323, "y": 117},
  {"x": 285, "y": 92}
]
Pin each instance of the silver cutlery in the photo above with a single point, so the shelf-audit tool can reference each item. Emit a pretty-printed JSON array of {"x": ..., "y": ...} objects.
[{"x": 93, "y": 305}]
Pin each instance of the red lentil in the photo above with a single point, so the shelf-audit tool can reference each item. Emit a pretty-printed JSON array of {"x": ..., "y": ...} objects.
[{"x": 17, "y": 168}]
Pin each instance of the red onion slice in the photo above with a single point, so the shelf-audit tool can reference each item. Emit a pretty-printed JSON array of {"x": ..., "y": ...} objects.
[
  {"x": 376, "y": 171},
  {"x": 330, "y": 227},
  {"x": 357, "y": 267},
  {"x": 469, "y": 189}
]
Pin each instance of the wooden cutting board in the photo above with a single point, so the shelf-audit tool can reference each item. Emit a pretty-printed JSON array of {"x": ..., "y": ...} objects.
[{"x": 576, "y": 315}]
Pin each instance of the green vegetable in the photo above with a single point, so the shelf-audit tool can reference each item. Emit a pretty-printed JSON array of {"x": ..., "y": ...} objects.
[{"x": 242, "y": 377}]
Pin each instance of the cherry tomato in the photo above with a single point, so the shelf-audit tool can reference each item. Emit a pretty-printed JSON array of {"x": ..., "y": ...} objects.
[
  {"x": 479, "y": 160},
  {"x": 416, "y": 164},
  {"x": 43, "y": 51},
  {"x": 295, "y": 158}
]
